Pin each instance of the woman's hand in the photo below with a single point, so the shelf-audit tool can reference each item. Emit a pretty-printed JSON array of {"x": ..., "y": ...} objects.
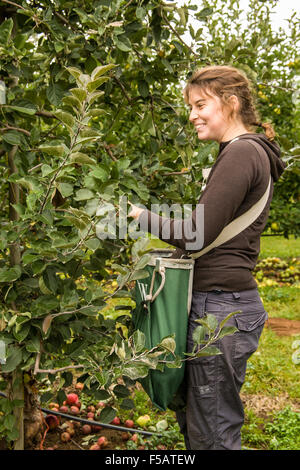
[{"x": 135, "y": 211}]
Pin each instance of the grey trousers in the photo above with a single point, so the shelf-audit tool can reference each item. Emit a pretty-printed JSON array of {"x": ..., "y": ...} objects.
[{"x": 214, "y": 411}]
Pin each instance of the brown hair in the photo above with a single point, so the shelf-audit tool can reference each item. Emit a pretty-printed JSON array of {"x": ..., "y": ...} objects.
[{"x": 225, "y": 81}]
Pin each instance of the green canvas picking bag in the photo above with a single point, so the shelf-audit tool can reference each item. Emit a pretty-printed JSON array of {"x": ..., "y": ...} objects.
[{"x": 163, "y": 302}]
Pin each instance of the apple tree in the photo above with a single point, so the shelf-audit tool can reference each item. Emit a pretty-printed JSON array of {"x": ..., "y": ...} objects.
[{"x": 92, "y": 114}]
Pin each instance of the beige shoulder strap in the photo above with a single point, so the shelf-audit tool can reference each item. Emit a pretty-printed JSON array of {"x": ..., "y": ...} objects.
[{"x": 239, "y": 224}]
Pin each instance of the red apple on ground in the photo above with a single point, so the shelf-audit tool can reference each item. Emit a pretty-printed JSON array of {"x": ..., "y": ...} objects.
[
  {"x": 116, "y": 420},
  {"x": 65, "y": 436},
  {"x": 102, "y": 442},
  {"x": 86, "y": 429},
  {"x": 79, "y": 386},
  {"x": 64, "y": 409},
  {"x": 95, "y": 447},
  {"x": 72, "y": 398},
  {"x": 52, "y": 421},
  {"x": 134, "y": 437},
  {"x": 74, "y": 410},
  {"x": 129, "y": 423},
  {"x": 90, "y": 414}
]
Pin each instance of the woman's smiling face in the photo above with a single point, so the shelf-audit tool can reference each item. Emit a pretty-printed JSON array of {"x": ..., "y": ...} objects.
[{"x": 210, "y": 118}]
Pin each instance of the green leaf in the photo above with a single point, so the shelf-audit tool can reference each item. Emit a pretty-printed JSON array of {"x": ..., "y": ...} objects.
[
  {"x": 127, "y": 404},
  {"x": 55, "y": 94},
  {"x": 93, "y": 85},
  {"x": 123, "y": 45},
  {"x": 12, "y": 137},
  {"x": 199, "y": 334},
  {"x": 84, "y": 195},
  {"x": 79, "y": 93},
  {"x": 209, "y": 351},
  {"x": 168, "y": 343},
  {"x": 33, "y": 345},
  {"x": 222, "y": 323},
  {"x": 23, "y": 110},
  {"x": 100, "y": 173},
  {"x": 143, "y": 88},
  {"x": 102, "y": 69},
  {"x": 121, "y": 391},
  {"x": 5, "y": 31},
  {"x": 135, "y": 372},
  {"x": 65, "y": 189},
  {"x": 139, "y": 340},
  {"x": 78, "y": 157},
  {"x": 140, "y": 13},
  {"x": 65, "y": 117},
  {"x": 74, "y": 72},
  {"x": 107, "y": 414},
  {"x": 13, "y": 359},
  {"x": 57, "y": 150},
  {"x": 227, "y": 330},
  {"x": 10, "y": 274}
]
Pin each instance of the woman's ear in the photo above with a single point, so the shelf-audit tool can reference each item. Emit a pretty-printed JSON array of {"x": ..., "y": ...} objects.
[{"x": 234, "y": 102}]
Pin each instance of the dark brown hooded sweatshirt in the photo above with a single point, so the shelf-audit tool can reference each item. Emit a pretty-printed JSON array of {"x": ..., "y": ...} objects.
[{"x": 237, "y": 180}]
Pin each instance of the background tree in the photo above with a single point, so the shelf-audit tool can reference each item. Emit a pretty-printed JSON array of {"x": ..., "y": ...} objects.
[{"x": 92, "y": 110}]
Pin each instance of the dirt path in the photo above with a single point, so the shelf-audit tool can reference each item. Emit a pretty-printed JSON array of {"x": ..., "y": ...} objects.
[{"x": 284, "y": 327}]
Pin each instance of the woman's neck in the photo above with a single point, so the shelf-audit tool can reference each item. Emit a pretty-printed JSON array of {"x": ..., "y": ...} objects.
[{"x": 234, "y": 131}]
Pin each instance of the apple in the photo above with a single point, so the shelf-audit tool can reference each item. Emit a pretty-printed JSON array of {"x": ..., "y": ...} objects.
[
  {"x": 53, "y": 405},
  {"x": 134, "y": 438},
  {"x": 95, "y": 447},
  {"x": 143, "y": 420},
  {"x": 100, "y": 404},
  {"x": 65, "y": 436},
  {"x": 116, "y": 420},
  {"x": 86, "y": 429},
  {"x": 102, "y": 442},
  {"x": 52, "y": 421},
  {"x": 74, "y": 410},
  {"x": 91, "y": 408},
  {"x": 90, "y": 415},
  {"x": 96, "y": 428},
  {"x": 72, "y": 398},
  {"x": 129, "y": 423},
  {"x": 79, "y": 386},
  {"x": 64, "y": 409},
  {"x": 161, "y": 447},
  {"x": 70, "y": 430}
]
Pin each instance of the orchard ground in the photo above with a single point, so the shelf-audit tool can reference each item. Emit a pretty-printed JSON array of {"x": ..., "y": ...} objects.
[{"x": 269, "y": 393}]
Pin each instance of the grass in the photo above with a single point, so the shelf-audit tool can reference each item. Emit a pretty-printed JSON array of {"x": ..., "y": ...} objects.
[
  {"x": 272, "y": 420},
  {"x": 280, "y": 247}
]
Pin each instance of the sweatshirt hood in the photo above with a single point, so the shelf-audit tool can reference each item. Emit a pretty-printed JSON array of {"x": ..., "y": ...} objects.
[{"x": 273, "y": 151}]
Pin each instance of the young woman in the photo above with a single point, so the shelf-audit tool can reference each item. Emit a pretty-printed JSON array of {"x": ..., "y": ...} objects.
[{"x": 222, "y": 109}]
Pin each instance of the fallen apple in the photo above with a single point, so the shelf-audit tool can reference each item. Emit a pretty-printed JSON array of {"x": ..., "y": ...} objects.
[
  {"x": 74, "y": 410},
  {"x": 72, "y": 398},
  {"x": 129, "y": 423},
  {"x": 90, "y": 414},
  {"x": 134, "y": 438},
  {"x": 102, "y": 441},
  {"x": 116, "y": 420},
  {"x": 79, "y": 386},
  {"x": 143, "y": 420},
  {"x": 86, "y": 429},
  {"x": 64, "y": 409},
  {"x": 52, "y": 421},
  {"x": 65, "y": 436},
  {"x": 95, "y": 447}
]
